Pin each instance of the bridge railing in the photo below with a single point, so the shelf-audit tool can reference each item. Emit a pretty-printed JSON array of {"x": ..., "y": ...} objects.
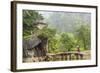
[{"x": 65, "y": 56}]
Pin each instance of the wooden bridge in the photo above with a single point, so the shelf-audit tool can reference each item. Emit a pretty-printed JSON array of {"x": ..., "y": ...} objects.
[{"x": 64, "y": 56}]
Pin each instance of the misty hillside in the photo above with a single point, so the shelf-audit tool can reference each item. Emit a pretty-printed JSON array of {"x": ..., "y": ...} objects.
[{"x": 66, "y": 21}]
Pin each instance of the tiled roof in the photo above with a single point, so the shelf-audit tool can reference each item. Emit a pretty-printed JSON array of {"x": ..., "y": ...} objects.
[{"x": 31, "y": 43}]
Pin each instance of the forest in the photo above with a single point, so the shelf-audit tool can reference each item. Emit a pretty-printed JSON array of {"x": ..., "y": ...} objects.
[{"x": 65, "y": 31}]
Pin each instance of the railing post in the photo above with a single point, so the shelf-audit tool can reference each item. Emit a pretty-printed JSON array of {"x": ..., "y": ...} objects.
[
  {"x": 77, "y": 57},
  {"x": 66, "y": 57},
  {"x": 81, "y": 55},
  {"x": 70, "y": 56}
]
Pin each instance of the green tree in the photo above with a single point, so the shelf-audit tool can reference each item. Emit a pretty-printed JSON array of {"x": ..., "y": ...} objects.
[
  {"x": 54, "y": 45},
  {"x": 83, "y": 36},
  {"x": 67, "y": 42},
  {"x": 29, "y": 18},
  {"x": 47, "y": 32}
]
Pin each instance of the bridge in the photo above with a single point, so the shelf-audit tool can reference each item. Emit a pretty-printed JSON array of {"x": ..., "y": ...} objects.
[{"x": 65, "y": 56}]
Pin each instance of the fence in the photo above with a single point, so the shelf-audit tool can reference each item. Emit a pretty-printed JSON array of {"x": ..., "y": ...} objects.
[{"x": 65, "y": 56}]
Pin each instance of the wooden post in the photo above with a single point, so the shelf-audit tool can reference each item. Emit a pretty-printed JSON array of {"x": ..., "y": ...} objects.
[
  {"x": 81, "y": 55},
  {"x": 66, "y": 57},
  {"x": 77, "y": 57},
  {"x": 70, "y": 56}
]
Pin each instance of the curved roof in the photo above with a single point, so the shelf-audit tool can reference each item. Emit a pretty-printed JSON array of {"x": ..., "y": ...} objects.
[
  {"x": 40, "y": 22},
  {"x": 31, "y": 43}
]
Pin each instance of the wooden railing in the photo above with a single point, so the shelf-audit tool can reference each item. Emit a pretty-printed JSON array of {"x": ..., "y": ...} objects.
[{"x": 65, "y": 56}]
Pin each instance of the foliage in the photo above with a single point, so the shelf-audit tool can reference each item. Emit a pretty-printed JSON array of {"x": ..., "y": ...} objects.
[
  {"x": 29, "y": 18},
  {"x": 83, "y": 36},
  {"x": 47, "y": 32},
  {"x": 54, "y": 44},
  {"x": 63, "y": 41},
  {"x": 67, "y": 41}
]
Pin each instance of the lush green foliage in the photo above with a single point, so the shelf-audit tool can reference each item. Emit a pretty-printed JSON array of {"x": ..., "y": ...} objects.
[
  {"x": 47, "y": 32},
  {"x": 67, "y": 41},
  {"x": 83, "y": 36},
  {"x": 29, "y": 17},
  {"x": 57, "y": 42}
]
